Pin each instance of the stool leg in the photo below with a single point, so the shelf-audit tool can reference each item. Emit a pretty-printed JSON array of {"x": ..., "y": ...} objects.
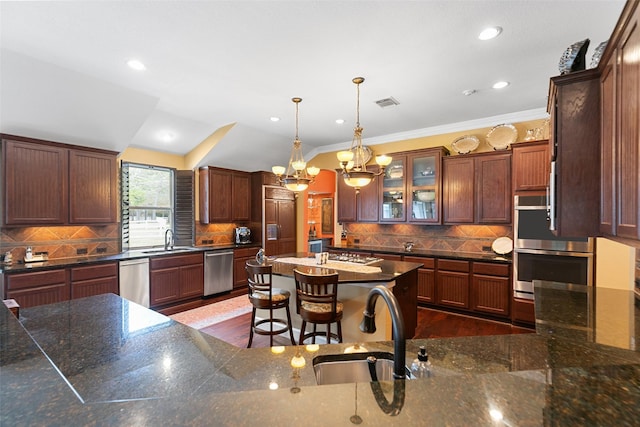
[
  {"x": 328, "y": 333},
  {"x": 253, "y": 319},
  {"x": 313, "y": 339},
  {"x": 339, "y": 331},
  {"x": 293, "y": 341},
  {"x": 271, "y": 325},
  {"x": 302, "y": 328}
]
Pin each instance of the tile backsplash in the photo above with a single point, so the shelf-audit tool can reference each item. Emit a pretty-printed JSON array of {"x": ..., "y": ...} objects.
[
  {"x": 216, "y": 234},
  {"x": 464, "y": 238},
  {"x": 62, "y": 241}
]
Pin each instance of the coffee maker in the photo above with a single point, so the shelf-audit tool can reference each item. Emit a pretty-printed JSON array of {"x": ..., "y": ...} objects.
[{"x": 242, "y": 235}]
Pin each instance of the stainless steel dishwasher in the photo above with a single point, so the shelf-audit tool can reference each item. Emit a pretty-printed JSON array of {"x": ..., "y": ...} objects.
[
  {"x": 134, "y": 280},
  {"x": 218, "y": 272}
]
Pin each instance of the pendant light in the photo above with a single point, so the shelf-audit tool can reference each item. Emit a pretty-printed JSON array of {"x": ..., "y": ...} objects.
[
  {"x": 353, "y": 161},
  {"x": 297, "y": 176}
]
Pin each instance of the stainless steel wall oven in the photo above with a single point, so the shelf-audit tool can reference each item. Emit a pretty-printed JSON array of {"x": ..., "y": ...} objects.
[{"x": 540, "y": 255}]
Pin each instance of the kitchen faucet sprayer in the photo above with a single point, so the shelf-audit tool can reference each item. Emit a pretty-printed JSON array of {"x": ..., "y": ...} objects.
[{"x": 368, "y": 326}]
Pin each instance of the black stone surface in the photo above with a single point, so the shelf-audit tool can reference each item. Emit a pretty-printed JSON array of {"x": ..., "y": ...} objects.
[
  {"x": 106, "y": 361},
  {"x": 436, "y": 253}
]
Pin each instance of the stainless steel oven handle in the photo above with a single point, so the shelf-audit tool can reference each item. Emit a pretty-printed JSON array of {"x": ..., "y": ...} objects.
[{"x": 552, "y": 252}]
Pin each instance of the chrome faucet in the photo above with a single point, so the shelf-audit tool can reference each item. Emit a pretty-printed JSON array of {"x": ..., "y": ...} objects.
[
  {"x": 168, "y": 239},
  {"x": 368, "y": 326}
]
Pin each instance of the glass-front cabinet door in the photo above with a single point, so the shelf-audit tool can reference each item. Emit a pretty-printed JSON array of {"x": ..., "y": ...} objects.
[
  {"x": 424, "y": 186},
  {"x": 393, "y": 191}
]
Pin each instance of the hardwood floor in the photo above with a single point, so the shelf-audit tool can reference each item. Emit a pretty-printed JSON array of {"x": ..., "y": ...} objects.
[{"x": 431, "y": 324}]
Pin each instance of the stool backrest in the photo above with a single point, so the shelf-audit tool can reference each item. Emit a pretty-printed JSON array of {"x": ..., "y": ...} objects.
[
  {"x": 313, "y": 288},
  {"x": 259, "y": 277}
]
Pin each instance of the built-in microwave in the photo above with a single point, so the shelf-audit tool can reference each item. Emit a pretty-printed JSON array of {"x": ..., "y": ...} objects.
[{"x": 531, "y": 228}]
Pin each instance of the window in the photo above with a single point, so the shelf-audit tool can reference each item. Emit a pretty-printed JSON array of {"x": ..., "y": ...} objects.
[{"x": 148, "y": 205}]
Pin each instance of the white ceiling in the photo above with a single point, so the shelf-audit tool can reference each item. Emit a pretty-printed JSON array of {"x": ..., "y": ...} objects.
[{"x": 212, "y": 63}]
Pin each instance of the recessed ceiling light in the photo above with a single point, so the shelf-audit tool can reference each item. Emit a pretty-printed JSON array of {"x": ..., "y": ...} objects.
[
  {"x": 490, "y": 33},
  {"x": 340, "y": 121},
  {"x": 275, "y": 119},
  {"x": 136, "y": 65},
  {"x": 500, "y": 85},
  {"x": 166, "y": 136}
]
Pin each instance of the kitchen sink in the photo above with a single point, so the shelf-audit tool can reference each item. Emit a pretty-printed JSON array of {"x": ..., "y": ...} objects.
[
  {"x": 353, "y": 367},
  {"x": 168, "y": 251}
]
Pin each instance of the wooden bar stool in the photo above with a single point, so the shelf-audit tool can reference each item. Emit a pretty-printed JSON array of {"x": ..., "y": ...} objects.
[
  {"x": 317, "y": 303},
  {"x": 264, "y": 296}
]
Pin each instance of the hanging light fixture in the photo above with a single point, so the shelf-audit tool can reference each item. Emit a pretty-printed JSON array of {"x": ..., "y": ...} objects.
[
  {"x": 353, "y": 161},
  {"x": 297, "y": 176}
]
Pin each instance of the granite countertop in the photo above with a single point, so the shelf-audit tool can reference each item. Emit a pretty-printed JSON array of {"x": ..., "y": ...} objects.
[
  {"x": 389, "y": 270},
  {"x": 103, "y": 360},
  {"x": 21, "y": 267},
  {"x": 436, "y": 253}
]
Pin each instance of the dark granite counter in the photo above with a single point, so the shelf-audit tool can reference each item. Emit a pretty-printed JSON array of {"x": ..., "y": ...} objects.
[
  {"x": 389, "y": 270},
  {"x": 106, "y": 361},
  {"x": 436, "y": 253},
  {"x": 21, "y": 267}
]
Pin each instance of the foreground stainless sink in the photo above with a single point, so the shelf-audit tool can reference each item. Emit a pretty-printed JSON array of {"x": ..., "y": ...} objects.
[{"x": 352, "y": 368}]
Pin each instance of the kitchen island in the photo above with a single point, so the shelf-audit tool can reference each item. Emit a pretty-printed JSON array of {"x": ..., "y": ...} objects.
[
  {"x": 103, "y": 360},
  {"x": 356, "y": 277}
]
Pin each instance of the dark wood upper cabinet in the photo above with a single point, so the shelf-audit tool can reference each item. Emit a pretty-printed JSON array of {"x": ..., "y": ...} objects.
[
  {"x": 409, "y": 191},
  {"x": 458, "y": 193},
  {"x": 347, "y": 202},
  {"x": 393, "y": 189},
  {"x": 93, "y": 188},
  {"x": 369, "y": 199},
  {"x": 574, "y": 106},
  {"x": 530, "y": 167},
  {"x": 493, "y": 188},
  {"x": 48, "y": 183},
  {"x": 35, "y": 183},
  {"x": 608, "y": 170},
  {"x": 627, "y": 132},
  {"x": 424, "y": 185},
  {"x": 241, "y": 204},
  {"x": 477, "y": 188},
  {"x": 225, "y": 195}
]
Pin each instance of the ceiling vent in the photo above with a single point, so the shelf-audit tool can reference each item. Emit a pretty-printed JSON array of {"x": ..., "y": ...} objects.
[{"x": 387, "y": 102}]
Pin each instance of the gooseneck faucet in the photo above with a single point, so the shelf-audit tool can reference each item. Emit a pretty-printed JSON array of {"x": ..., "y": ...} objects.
[
  {"x": 368, "y": 326},
  {"x": 168, "y": 239}
]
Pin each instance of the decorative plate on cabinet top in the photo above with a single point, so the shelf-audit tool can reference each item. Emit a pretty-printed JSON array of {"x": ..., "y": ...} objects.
[
  {"x": 465, "y": 144},
  {"x": 573, "y": 58},
  {"x": 500, "y": 137}
]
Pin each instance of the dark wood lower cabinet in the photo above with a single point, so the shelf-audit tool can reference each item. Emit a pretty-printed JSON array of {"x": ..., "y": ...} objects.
[
  {"x": 240, "y": 258},
  {"x": 94, "y": 280},
  {"x": 175, "y": 278},
  {"x": 452, "y": 283},
  {"x": 38, "y": 288},
  {"x": 406, "y": 293},
  {"x": 474, "y": 287},
  {"x": 426, "y": 278},
  {"x": 490, "y": 288},
  {"x": 523, "y": 312},
  {"x": 51, "y": 286}
]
